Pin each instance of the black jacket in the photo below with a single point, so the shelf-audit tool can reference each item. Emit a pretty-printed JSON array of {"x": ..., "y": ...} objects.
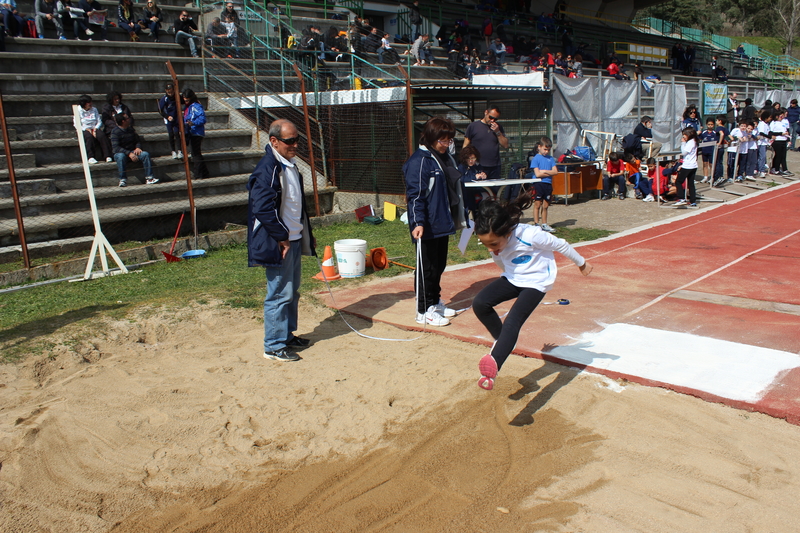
[{"x": 125, "y": 141}]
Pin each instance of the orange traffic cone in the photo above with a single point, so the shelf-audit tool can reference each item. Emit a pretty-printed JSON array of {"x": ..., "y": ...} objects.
[{"x": 327, "y": 267}]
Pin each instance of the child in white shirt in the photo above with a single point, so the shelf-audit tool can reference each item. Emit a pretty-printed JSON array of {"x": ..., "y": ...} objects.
[{"x": 525, "y": 254}]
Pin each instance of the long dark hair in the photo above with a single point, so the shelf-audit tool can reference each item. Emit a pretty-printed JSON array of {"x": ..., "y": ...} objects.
[
  {"x": 691, "y": 134},
  {"x": 500, "y": 217},
  {"x": 189, "y": 96}
]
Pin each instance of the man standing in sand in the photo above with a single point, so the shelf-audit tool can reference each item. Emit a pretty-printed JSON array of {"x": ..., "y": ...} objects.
[{"x": 278, "y": 233}]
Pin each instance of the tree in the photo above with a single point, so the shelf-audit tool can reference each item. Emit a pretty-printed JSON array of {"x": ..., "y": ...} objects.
[{"x": 789, "y": 21}]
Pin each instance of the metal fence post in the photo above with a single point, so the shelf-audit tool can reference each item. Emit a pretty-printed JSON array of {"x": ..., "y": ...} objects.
[{"x": 14, "y": 193}]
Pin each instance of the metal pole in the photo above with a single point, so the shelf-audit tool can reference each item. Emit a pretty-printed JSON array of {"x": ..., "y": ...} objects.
[
  {"x": 409, "y": 112},
  {"x": 308, "y": 137},
  {"x": 14, "y": 193},
  {"x": 178, "y": 104},
  {"x": 600, "y": 99},
  {"x": 255, "y": 92}
]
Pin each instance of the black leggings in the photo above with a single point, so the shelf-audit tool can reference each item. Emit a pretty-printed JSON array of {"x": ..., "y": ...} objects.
[
  {"x": 687, "y": 175},
  {"x": 200, "y": 169},
  {"x": 505, "y": 333},
  {"x": 779, "y": 161}
]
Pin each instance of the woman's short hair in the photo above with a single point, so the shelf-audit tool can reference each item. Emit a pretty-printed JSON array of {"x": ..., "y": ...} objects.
[{"x": 437, "y": 128}]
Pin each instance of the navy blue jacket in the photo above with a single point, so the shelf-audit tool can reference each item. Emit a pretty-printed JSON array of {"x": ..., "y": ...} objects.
[
  {"x": 264, "y": 225},
  {"x": 793, "y": 114},
  {"x": 428, "y": 199}
]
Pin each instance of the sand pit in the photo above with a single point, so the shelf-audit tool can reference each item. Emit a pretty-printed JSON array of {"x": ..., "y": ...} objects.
[{"x": 172, "y": 421}]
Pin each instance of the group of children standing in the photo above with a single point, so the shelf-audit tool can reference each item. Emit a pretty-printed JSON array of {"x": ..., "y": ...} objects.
[{"x": 744, "y": 147}]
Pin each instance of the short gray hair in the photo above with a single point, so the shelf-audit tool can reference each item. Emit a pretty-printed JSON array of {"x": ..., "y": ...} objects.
[{"x": 276, "y": 127}]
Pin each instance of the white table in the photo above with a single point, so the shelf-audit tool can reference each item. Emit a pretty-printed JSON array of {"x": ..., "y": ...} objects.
[{"x": 488, "y": 184}]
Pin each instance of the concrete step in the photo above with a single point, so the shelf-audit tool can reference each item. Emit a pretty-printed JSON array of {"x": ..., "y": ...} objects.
[
  {"x": 20, "y": 161},
  {"x": 60, "y": 151},
  {"x": 97, "y": 65},
  {"x": 70, "y": 176},
  {"x": 52, "y": 127},
  {"x": 77, "y": 84},
  {"x": 29, "y": 188},
  {"x": 166, "y": 48},
  {"x": 29, "y": 105},
  {"x": 128, "y": 223}
]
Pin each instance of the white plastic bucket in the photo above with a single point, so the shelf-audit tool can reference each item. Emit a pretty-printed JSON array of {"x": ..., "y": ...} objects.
[{"x": 351, "y": 257}]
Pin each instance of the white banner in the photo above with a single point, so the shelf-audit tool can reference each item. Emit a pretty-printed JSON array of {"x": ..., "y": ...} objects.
[{"x": 532, "y": 79}]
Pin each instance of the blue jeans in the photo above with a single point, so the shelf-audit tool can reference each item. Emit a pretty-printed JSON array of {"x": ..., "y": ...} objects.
[
  {"x": 182, "y": 37},
  {"x": 283, "y": 296},
  {"x": 762, "y": 158},
  {"x": 123, "y": 160}
]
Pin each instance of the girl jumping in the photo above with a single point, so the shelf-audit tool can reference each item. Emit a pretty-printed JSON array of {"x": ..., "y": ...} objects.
[{"x": 525, "y": 254}]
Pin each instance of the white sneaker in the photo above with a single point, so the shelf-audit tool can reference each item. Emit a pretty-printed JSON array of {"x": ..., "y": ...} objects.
[
  {"x": 704, "y": 180},
  {"x": 150, "y": 180},
  {"x": 547, "y": 228},
  {"x": 432, "y": 317},
  {"x": 175, "y": 155},
  {"x": 649, "y": 198},
  {"x": 445, "y": 311},
  {"x": 92, "y": 161},
  {"x": 180, "y": 154},
  {"x": 89, "y": 33},
  {"x": 109, "y": 160}
]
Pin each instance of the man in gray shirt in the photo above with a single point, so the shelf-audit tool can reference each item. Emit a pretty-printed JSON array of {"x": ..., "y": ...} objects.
[
  {"x": 46, "y": 10},
  {"x": 488, "y": 136}
]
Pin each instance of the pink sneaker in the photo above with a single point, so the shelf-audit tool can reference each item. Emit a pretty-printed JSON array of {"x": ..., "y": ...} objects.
[{"x": 488, "y": 369}]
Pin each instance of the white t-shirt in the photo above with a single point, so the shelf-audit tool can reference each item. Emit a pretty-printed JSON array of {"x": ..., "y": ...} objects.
[
  {"x": 737, "y": 135},
  {"x": 291, "y": 198},
  {"x": 763, "y": 128},
  {"x": 776, "y": 126},
  {"x": 528, "y": 261},
  {"x": 689, "y": 153}
]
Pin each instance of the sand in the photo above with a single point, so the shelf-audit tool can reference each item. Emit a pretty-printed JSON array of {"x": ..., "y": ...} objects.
[{"x": 170, "y": 420}]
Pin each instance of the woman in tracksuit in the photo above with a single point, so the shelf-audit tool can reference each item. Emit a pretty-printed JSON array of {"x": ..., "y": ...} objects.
[
  {"x": 169, "y": 112},
  {"x": 194, "y": 118},
  {"x": 435, "y": 211}
]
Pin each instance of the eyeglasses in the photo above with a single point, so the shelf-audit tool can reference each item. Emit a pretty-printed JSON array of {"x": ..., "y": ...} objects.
[
  {"x": 493, "y": 118},
  {"x": 692, "y": 112},
  {"x": 293, "y": 140},
  {"x": 445, "y": 142}
]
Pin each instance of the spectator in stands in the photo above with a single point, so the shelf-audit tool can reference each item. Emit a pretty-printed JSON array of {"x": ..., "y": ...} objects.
[
  {"x": 386, "y": 53},
  {"x": 561, "y": 65},
  {"x": 126, "y": 145},
  {"x": 740, "y": 52},
  {"x": 152, "y": 19},
  {"x": 421, "y": 50},
  {"x": 372, "y": 42},
  {"x": 230, "y": 19},
  {"x": 471, "y": 170},
  {"x": 126, "y": 20},
  {"x": 96, "y": 17},
  {"x": 688, "y": 60},
  {"x": 677, "y": 56},
  {"x": 168, "y": 109},
  {"x": 186, "y": 32},
  {"x": 614, "y": 71},
  {"x": 194, "y": 119},
  {"x": 488, "y": 136},
  {"x": 638, "y": 72},
  {"x": 577, "y": 66},
  {"x": 722, "y": 74},
  {"x": 217, "y": 35},
  {"x": 113, "y": 107},
  {"x": 690, "y": 119},
  {"x": 713, "y": 65},
  {"x": 614, "y": 175},
  {"x": 98, "y": 147},
  {"x": 499, "y": 50},
  {"x": 334, "y": 45},
  {"x": 487, "y": 29},
  {"x": 12, "y": 19},
  {"x": 71, "y": 15},
  {"x": 444, "y": 37},
  {"x": 46, "y": 10},
  {"x": 793, "y": 116},
  {"x": 415, "y": 18}
]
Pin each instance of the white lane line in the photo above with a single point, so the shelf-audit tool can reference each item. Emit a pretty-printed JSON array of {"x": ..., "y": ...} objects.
[
  {"x": 723, "y": 368},
  {"x": 705, "y": 276}
]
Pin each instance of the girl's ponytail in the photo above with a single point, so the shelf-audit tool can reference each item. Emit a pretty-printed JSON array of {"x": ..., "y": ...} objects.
[{"x": 500, "y": 217}]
